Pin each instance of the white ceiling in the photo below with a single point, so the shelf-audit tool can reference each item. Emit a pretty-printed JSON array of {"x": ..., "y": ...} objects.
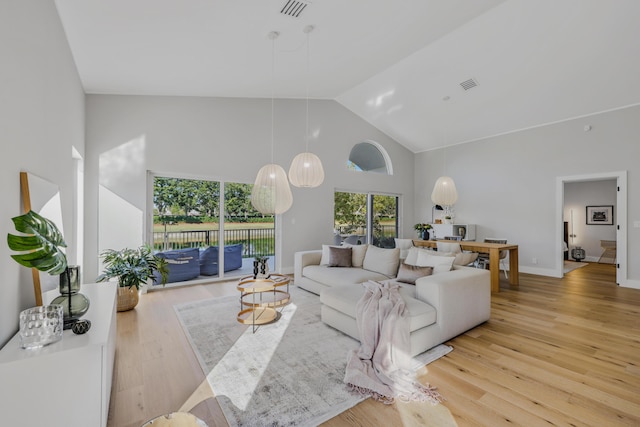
[{"x": 391, "y": 62}]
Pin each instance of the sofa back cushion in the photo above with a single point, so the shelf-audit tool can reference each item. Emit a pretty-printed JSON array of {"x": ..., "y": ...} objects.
[
  {"x": 357, "y": 253},
  {"x": 383, "y": 261},
  {"x": 404, "y": 245}
]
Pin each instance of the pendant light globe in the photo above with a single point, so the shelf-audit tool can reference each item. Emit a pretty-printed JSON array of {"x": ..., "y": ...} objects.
[
  {"x": 271, "y": 193},
  {"x": 444, "y": 192},
  {"x": 306, "y": 171}
]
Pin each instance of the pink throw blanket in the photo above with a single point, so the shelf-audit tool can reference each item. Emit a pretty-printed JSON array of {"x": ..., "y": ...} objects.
[{"x": 381, "y": 367}]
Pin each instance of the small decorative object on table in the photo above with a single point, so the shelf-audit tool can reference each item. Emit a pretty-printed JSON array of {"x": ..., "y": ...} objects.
[
  {"x": 74, "y": 304},
  {"x": 132, "y": 267},
  {"x": 40, "y": 326},
  {"x": 261, "y": 267},
  {"x": 80, "y": 327},
  {"x": 423, "y": 230}
]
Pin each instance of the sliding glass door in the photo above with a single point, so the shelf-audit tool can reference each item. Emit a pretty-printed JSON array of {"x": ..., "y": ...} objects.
[{"x": 217, "y": 218}]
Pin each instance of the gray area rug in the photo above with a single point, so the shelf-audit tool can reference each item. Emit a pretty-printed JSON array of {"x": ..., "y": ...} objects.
[{"x": 288, "y": 373}]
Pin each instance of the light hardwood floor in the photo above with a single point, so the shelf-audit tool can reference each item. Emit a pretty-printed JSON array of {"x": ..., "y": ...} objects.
[{"x": 555, "y": 352}]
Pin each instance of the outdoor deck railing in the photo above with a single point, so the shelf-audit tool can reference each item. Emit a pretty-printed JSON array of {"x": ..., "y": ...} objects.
[{"x": 255, "y": 241}]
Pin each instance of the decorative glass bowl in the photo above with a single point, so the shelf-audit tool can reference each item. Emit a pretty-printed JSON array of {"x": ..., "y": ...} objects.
[{"x": 40, "y": 326}]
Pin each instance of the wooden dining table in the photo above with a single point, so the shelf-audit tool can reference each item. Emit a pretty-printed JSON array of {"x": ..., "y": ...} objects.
[{"x": 493, "y": 249}]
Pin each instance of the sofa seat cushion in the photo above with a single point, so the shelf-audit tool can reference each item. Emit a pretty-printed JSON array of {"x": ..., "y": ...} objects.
[
  {"x": 345, "y": 299},
  {"x": 335, "y": 276}
]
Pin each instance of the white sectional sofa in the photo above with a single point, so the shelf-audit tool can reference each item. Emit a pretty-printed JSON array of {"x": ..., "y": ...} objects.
[{"x": 441, "y": 306}]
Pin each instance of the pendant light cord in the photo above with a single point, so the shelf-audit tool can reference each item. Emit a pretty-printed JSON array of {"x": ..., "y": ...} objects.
[
  {"x": 306, "y": 135},
  {"x": 273, "y": 36}
]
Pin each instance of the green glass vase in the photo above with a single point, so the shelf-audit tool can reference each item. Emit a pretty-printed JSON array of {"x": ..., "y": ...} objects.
[{"x": 74, "y": 304}]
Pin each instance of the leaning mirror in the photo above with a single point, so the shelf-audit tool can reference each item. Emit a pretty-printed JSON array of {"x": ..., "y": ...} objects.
[
  {"x": 369, "y": 156},
  {"x": 43, "y": 197}
]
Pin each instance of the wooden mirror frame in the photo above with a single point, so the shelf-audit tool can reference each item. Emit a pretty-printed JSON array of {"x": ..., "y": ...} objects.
[{"x": 44, "y": 197}]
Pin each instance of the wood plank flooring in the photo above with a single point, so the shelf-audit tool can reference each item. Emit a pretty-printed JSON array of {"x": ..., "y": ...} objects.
[{"x": 560, "y": 352}]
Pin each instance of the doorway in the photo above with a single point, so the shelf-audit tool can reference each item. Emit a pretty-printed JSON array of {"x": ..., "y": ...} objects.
[{"x": 618, "y": 219}]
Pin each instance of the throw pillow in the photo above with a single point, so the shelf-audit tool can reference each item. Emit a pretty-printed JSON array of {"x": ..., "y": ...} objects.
[
  {"x": 324, "y": 260},
  {"x": 412, "y": 255},
  {"x": 410, "y": 273},
  {"x": 357, "y": 253},
  {"x": 339, "y": 257},
  {"x": 404, "y": 245},
  {"x": 383, "y": 261},
  {"x": 440, "y": 264}
]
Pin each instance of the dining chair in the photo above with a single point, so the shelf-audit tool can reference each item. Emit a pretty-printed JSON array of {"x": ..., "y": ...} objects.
[{"x": 483, "y": 259}]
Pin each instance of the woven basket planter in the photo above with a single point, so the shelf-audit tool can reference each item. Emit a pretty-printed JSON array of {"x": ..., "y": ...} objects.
[{"x": 127, "y": 298}]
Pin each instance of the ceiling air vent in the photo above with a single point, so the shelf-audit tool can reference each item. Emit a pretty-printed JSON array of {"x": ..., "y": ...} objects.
[
  {"x": 469, "y": 84},
  {"x": 294, "y": 8}
]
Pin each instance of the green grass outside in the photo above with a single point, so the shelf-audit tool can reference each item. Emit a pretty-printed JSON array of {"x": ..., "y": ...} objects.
[{"x": 157, "y": 228}]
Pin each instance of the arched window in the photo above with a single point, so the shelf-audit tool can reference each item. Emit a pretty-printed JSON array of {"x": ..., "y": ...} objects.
[{"x": 369, "y": 156}]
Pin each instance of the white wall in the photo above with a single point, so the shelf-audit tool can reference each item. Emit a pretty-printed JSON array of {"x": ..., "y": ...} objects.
[
  {"x": 230, "y": 139},
  {"x": 41, "y": 118},
  {"x": 507, "y": 184},
  {"x": 579, "y": 195}
]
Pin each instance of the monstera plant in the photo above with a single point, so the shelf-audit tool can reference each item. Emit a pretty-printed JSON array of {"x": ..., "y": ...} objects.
[{"x": 40, "y": 244}]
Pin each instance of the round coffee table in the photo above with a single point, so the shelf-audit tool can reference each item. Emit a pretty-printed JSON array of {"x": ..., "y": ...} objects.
[{"x": 260, "y": 298}]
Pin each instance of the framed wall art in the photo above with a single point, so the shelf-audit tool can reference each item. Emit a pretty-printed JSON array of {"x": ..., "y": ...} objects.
[{"x": 600, "y": 215}]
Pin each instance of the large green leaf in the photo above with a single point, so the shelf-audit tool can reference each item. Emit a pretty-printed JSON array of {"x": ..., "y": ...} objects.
[{"x": 40, "y": 243}]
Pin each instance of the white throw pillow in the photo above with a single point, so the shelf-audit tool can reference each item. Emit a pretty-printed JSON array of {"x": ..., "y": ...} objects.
[
  {"x": 357, "y": 254},
  {"x": 404, "y": 245},
  {"x": 412, "y": 255},
  {"x": 440, "y": 263},
  {"x": 383, "y": 261}
]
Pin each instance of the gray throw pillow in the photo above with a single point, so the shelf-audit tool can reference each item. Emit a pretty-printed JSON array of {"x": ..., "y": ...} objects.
[
  {"x": 339, "y": 257},
  {"x": 410, "y": 273}
]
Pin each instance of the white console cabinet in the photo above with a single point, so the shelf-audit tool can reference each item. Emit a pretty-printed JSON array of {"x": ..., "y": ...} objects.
[
  {"x": 68, "y": 383},
  {"x": 466, "y": 231}
]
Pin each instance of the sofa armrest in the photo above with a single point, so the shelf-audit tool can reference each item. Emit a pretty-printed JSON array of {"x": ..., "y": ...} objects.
[
  {"x": 303, "y": 259},
  {"x": 461, "y": 297}
]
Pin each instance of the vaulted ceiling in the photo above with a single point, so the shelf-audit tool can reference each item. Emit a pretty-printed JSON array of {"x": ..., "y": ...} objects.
[{"x": 404, "y": 66}]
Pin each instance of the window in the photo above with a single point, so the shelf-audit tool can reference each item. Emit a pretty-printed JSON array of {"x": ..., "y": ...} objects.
[
  {"x": 366, "y": 217},
  {"x": 369, "y": 156}
]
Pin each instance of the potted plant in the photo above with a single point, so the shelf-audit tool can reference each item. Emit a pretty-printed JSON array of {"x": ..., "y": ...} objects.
[
  {"x": 423, "y": 230},
  {"x": 132, "y": 268}
]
